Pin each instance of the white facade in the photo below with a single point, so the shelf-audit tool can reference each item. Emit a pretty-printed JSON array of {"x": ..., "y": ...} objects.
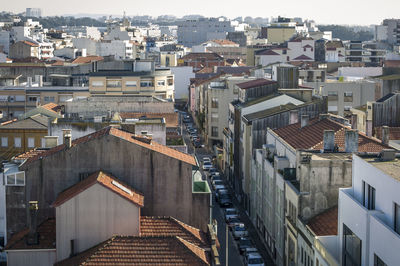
[
  {"x": 118, "y": 49},
  {"x": 275, "y": 56},
  {"x": 361, "y": 72},
  {"x": 373, "y": 226},
  {"x": 75, "y": 219},
  {"x": 300, "y": 49},
  {"x": 182, "y": 76},
  {"x": 85, "y": 43}
]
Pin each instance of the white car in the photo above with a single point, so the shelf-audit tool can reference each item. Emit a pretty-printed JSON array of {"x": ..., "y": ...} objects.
[
  {"x": 230, "y": 213},
  {"x": 206, "y": 159},
  {"x": 254, "y": 259},
  {"x": 207, "y": 166},
  {"x": 239, "y": 231}
]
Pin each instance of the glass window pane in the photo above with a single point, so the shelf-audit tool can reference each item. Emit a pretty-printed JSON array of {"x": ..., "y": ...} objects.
[
  {"x": 11, "y": 179},
  {"x": 20, "y": 178}
]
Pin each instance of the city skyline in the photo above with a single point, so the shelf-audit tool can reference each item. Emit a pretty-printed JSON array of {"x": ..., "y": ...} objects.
[{"x": 341, "y": 13}]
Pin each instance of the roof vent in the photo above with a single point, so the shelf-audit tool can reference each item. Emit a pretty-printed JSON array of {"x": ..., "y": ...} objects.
[
  {"x": 387, "y": 155},
  {"x": 143, "y": 139}
]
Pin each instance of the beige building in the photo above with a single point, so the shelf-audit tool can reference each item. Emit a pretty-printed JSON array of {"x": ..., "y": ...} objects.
[
  {"x": 280, "y": 34},
  {"x": 159, "y": 83},
  {"x": 24, "y": 49}
]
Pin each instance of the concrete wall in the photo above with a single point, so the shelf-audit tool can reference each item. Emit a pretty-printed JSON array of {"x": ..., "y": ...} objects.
[
  {"x": 114, "y": 215},
  {"x": 31, "y": 257},
  {"x": 386, "y": 113},
  {"x": 165, "y": 182},
  {"x": 182, "y": 76}
]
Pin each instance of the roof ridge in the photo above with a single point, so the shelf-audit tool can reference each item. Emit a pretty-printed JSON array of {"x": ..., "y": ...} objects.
[
  {"x": 322, "y": 142},
  {"x": 192, "y": 247},
  {"x": 186, "y": 226}
]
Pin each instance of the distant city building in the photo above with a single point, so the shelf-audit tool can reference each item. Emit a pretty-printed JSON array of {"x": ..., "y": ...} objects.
[{"x": 33, "y": 12}]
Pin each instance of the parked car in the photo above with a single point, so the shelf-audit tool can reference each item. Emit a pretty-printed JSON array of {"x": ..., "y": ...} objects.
[
  {"x": 254, "y": 259},
  {"x": 215, "y": 177},
  {"x": 232, "y": 222},
  {"x": 217, "y": 182},
  {"x": 249, "y": 251},
  {"x": 225, "y": 200},
  {"x": 239, "y": 231},
  {"x": 197, "y": 143},
  {"x": 244, "y": 243},
  {"x": 231, "y": 213},
  {"x": 206, "y": 159},
  {"x": 219, "y": 192},
  {"x": 219, "y": 187},
  {"x": 213, "y": 170},
  {"x": 207, "y": 166}
]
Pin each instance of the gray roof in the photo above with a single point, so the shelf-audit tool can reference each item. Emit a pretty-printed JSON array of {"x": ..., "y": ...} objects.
[{"x": 34, "y": 122}]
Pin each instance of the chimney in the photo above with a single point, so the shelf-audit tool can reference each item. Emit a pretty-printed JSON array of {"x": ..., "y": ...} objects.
[
  {"x": 67, "y": 138},
  {"x": 353, "y": 121},
  {"x": 329, "y": 140},
  {"x": 50, "y": 141},
  {"x": 385, "y": 135},
  {"x": 351, "y": 140},
  {"x": 293, "y": 117},
  {"x": 304, "y": 120},
  {"x": 33, "y": 238}
]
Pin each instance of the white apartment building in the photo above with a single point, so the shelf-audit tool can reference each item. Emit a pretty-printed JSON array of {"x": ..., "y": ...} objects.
[
  {"x": 195, "y": 32},
  {"x": 369, "y": 213},
  {"x": 301, "y": 49}
]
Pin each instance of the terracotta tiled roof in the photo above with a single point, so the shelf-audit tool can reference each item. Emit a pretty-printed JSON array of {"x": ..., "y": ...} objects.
[
  {"x": 392, "y": 63},
  {"x": 326, "y": 223},
  {"x": 171, "y": 119},
  {"x": 255, "y": 83},
  {"x": 168, "y": 226},
  {"x": 302, "y": 57},
  {"x": 29, "y": 154},
  {"x": 131, "y": 250},
  {"x": 394, "y": 133},
  {"x": 30, "y": 43},
  {"x": 206, "y": 70},
  {"x": 224, "y": 42},
  {"x": 122, "y": 135},
  {"x": 267, "y": 52},
  {"x": 8, "y": 122},
  {"x": 311, "y": 137},
  {"x": 87, "y": 59},
  {"x": 52, "y": 107},
  {"x": 307, "y": 46},
  {"x": 47, "y": 237},
  {"x": 106, "y": 180}
]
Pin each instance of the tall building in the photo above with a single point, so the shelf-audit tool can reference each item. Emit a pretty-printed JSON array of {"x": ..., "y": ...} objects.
[{"x": 33, "y": 12}]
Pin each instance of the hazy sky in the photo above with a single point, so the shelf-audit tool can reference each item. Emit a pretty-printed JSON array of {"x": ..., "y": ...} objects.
[{"x": 334, "y": 11}]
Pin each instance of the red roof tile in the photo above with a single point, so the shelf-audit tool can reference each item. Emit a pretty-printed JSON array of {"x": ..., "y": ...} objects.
[
  {"x": 326, "y": 223},
  {"x": 47, "y": 237},
  {"x": 225, "y": 42},
  {"x": 87, "y": 59},
  {"x": 131, "y": 250},
  {"x": 392, "y": 63},
  {"x": 394, "y": 133},
  {"x": 311, "y": 136},
  {"x": 255, "y": 83},
  {"x": 52, "y": 107},
  {"x": 307, "y": 46},
  {"x": 106, "y": 180},
  {"x": 168, "y": 226},
  {"x": 30, "y": 43},
  {"x": 267, "y": 52},
  {"x": 122, "y": 135}
]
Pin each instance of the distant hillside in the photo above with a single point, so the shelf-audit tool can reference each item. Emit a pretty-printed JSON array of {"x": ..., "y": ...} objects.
[
  {"x": 53, "y": 22},
  {"x": 347, "y": 33}
]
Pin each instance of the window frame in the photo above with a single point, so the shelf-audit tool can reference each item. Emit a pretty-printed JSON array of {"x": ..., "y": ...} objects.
[
  {"x": 6, "y": 140},
  {"x": 15, "y": 184},
  {"x": 15, "y": 142}
]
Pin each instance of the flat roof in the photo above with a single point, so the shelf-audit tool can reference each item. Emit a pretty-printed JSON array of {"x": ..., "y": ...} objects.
[{"x": 391, "y": 168}]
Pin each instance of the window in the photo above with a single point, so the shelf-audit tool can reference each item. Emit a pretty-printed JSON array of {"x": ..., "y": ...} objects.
[
  {"x": 17, "y": 142},
  {"x": 368, "y": 196},
  {"x": 378, "y": 261},
  {"x": 32, "y": 99},
  {"x": 131, "y": 83},
  {"x": 20, "y": 98},
  {"x": 214, "y": 117},
  {"x": 43, "y": 142},
  {"x": 348, "y": 96},
  {"x": 4, "y": 141},
  {"x": 397, "y": 218},
  {"x": 31, "y": 142},
  {"x": 214, "y": 131},
  {"x": 15, "y": 179},
  {"x": 113, "y": 83},
  {"x": 332, "y": 93},
  {"x": 97, "y": 83},
  {"x": 146, "y": 84},
  {"x": 49, "y": 98},
  {"x": 161, "y": 83},
  {"x": 170, "y": 81},
  {"x": 351, "y": 248},
  {"x": 214, "y": 103}
]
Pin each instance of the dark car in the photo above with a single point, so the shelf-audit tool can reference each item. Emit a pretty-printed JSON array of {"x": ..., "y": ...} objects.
[
  {"x": 220, "y": 192},
  {"x": 244, "y": 243},
  {"x": 225, "y": 200},
  {"x": 197, "y": 144}
]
